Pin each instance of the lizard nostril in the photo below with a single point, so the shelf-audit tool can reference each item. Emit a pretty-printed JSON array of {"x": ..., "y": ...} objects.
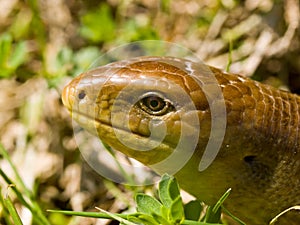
[{"x": 81, "y": 94}]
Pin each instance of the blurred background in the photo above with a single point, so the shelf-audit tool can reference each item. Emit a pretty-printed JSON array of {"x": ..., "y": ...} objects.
[{"x": 45, "y": 43}]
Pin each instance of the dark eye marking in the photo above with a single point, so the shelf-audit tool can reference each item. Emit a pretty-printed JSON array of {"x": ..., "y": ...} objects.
[
  {"x": 81, "y": 94},
  {"x": 154, "y": 104}
]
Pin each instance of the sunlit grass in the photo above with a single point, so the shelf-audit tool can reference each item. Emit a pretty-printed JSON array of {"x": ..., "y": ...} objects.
[
  {"x": 34, "y": 44},
  {"x": 25, "y": 196},
  {"x": 168, "y": 208}
]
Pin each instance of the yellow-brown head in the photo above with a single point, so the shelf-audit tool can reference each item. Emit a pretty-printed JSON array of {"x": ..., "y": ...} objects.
[
  {"x": 213, "y": 130},
  {"x": 148, "y": 114}
]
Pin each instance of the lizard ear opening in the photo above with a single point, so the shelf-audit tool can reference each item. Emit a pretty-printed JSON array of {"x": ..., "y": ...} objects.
[{"x": 249, "y": 159}]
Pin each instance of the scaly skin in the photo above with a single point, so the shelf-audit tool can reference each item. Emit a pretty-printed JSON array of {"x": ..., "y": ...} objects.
[{"x": 259, "y": 156}]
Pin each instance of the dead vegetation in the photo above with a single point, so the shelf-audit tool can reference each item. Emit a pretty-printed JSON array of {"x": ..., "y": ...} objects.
[{"x": 261, "y": 37}]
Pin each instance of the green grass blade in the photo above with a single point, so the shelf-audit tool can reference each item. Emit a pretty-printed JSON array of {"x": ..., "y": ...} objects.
[
  {"x": 232, "y": 216},
  {"x": 12, "y": 210},
  {"x": 18, "y": 55},
  {"x": 116, "y": 217},
  {"x": 19, "y": 180},
  {"x": 221, "y": 201},
  {"x": 229, "y": 56},
  {"x": 31, "y": 203},
  {"x": 87, "y": 214},
  {"x": 16, "y": 191}
]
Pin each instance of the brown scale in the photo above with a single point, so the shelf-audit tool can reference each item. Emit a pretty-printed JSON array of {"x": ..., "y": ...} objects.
[{"x": 259, "y": 157}]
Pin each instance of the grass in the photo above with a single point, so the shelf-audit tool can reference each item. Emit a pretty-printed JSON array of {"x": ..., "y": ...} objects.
[
  {"x": 40, "y": 52},
  {"x": 167, "y": 209},
  {"x": 25, "y": 196}
]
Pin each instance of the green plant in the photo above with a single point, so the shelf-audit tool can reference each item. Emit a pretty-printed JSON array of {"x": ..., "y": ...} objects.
[
  {"x": 98, "y": 25},
  {"x": 167, "y": 209},
  {"x": 25, "y": 196},
  {"x": 12, "y": 55}
]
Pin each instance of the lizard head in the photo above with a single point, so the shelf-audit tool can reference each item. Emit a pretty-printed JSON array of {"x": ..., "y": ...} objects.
[{"x": 147, "y": 113}]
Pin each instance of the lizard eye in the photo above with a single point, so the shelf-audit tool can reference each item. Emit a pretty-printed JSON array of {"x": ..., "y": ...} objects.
[{"x": 155, "y": 105}]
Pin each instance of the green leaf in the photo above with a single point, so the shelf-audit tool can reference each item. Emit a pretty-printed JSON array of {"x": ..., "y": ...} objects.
[
  {"x": 143, "y": 219},
  {"x": 133, "y": 31},
  {"x": 147, "y": 204},
  {"x": 165, "y": 5},
  {"x": 5, "y": 48},
  {"x": 98, "y": 25},
  {"x": 21, "y": 24},
  {"x": 168, "y": 190},
  {"x": 177, "y": 210},
  {"x": 161, "y": 219},
  {"x": 163, "y": 190},
  {"x": 170, "y": 197},
  {"x": 165, "y": 212},
  {"x": 11, "y": 58},
  {"x": 85, "y": 58},
  {"x": 174, "y": 190},
  {"x": 192, "y": 210},
  {"x": 18, "y": 56}
]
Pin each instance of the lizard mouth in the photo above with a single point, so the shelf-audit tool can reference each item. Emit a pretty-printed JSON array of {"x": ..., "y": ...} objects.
[
  {"x": 85, "y": 121},
  {"x": 161, "y": 156},
  {"x": 122, "y": 139}
]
